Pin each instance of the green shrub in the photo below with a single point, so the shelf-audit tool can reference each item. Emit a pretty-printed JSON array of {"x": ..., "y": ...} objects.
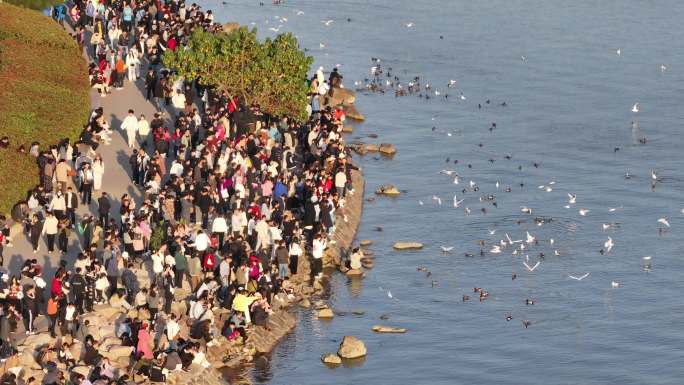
[{"x": 45, "y": 93}]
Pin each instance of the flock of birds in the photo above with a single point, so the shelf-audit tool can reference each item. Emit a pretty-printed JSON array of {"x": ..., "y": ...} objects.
[{"x": 531, "y": 250}]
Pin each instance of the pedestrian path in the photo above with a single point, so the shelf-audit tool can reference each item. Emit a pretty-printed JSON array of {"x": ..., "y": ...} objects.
[{"x": 116, "y": 180}]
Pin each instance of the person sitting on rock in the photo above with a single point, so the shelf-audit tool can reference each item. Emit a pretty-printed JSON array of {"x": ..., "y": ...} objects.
[
  {"x": 64, "y": 355},
  {"x": 355, "y": 259},
  {"x": 91, "y": 356},
  {"x": 118, "y": 299}
]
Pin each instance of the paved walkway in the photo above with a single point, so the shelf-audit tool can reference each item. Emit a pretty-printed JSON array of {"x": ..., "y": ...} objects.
[{"x": 116, "y": 180}]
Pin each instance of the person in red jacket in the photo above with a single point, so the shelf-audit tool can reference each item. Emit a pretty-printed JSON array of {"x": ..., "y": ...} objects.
[{"x": 209, "y": 263}]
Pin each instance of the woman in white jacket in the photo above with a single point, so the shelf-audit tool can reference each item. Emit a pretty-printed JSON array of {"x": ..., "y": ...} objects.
[
  {"x": 98, "y": 172},
  {"x": 133, "y": 64}
]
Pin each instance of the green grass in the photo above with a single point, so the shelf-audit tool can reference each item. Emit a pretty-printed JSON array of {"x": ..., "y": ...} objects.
[{"x": 44, "y": 95}]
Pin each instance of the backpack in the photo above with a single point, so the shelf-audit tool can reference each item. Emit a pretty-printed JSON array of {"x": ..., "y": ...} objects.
[
  {"x": 52, "y": 306},
  {"x": 156, "y": 374}
]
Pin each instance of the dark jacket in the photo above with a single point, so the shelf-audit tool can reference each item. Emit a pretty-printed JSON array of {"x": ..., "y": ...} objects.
[{"x": 103, "y": 205}]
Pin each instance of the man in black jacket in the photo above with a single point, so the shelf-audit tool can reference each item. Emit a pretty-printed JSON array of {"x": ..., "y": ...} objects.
[
  {"x": 71, "y": 199},
  {"x": 204, "y": 202},
  {"x": 103, "y": 208},
  {"x": 30, "y": 308},
  {"x": 150, "y": 83},
  {"x": 78, "y": 287}
]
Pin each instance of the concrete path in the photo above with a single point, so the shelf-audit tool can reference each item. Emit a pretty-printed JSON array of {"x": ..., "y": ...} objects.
[{"x": 116, "y": 180}]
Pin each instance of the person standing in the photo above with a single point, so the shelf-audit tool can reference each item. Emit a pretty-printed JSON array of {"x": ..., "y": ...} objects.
[
  {"x": 120, "y": 68},
  {"x": 50, "y": 228},
  {"x": 78, "y": 287},
  {"x": 71, "y": 206},
  {"x": 58, "y": 205},
  {"x": 130, "y": 125},
  {"x": 98, "y": 172},
  {"x": 62, "y": 173},
  {"x": 113, "y": 267},
  {"x": 35, "y": 229},
  {"x": 63, "y": 237},
  {"x": 87, "y": 178},
  {"x": 219, "y": 228},
  {"x": 30, "y": 308},
  {"x": 52, "y": 313},
  {"x": 295, "y": 253},
  {"x": 132, "y": 63},
  {"x": 319, "y": 245},
  {"x": 143, "y": 131},
  {"x": 103, "y": 207},
  {"x": 283, "y": 259},
  {"x": 150, "y": 83}
]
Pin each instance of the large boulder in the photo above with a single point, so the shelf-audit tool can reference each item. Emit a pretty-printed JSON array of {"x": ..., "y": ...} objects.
[
  {"x": 342, "y": 96},
  {"x": 388, "y": 190},
  {"x": 117, "y": 351},
  {"x": 359, "y": 148},
  {"x": 326, "y": 313},
  {"x": 37, "y": 340},
  {"x": 305, "y": 303},
  {"x": 387, "y": 329},
  {"x": 407, "y": 245},
  {"x": 371, "y": 147},
  {"x": 331, "y": 359},
  {"x": 354, "y": 272},
  {"x": 365, "y": 242},
  {"x": 351, "y": 347},
  {"x": 352, "y": 113},
  {"x": 106, "y": 311},
  {"x": 387, "y": 149}
]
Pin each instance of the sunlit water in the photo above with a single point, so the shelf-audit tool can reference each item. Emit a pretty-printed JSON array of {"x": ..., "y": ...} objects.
[{"x": 568, "y": 107}]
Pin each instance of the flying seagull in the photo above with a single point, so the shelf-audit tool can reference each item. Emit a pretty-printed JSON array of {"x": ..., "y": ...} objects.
[
  {"x": 608, "y": 245},
  {"x": 531, "y": 268},
  {"x": 580, "y": 277}
]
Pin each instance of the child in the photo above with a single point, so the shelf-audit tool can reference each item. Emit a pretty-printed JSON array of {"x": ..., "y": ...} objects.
[{"x": 66, "y": 357}]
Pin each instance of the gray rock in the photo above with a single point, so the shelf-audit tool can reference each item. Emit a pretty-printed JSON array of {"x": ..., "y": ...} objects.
[
  {"x": 387, "y": 149},
  {"x": 305, "y": 303},
  {"x": 387, "y": 329},
  {"x": 407, "y": 245},
  {"x": 331, "y": 358},
  {"x": 388, "y": 190},
  {"x": 325, "y": 314}
]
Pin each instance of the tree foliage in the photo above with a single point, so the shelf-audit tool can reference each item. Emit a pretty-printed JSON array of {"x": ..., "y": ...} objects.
[{"x": 272, "y": 73}]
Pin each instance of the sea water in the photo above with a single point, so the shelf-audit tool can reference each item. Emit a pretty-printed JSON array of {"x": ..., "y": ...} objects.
[{"x": 568, "y": 96}]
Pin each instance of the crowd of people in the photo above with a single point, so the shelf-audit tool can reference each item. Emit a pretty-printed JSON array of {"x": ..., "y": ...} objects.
[{"x": 233, "y": 200}]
